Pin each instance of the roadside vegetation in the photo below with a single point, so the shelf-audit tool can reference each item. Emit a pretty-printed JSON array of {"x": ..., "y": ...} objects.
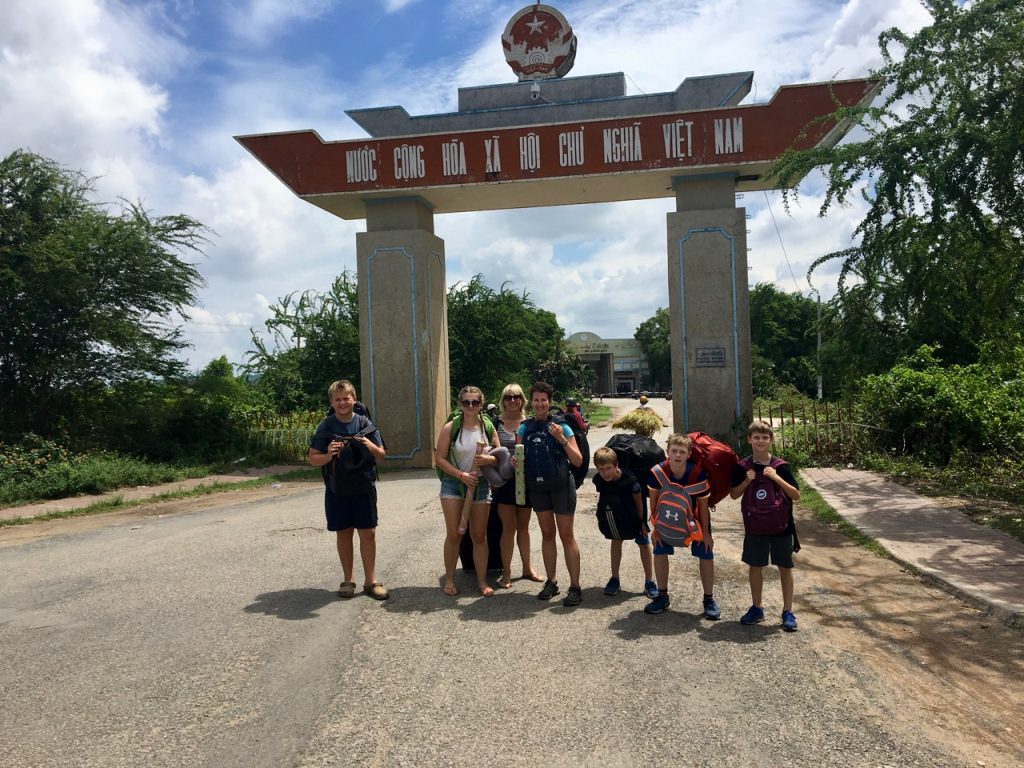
[{"x": 919, "y": 354}]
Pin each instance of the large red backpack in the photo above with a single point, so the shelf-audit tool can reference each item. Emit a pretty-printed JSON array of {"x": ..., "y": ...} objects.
[{"x": 717, "y": 460}]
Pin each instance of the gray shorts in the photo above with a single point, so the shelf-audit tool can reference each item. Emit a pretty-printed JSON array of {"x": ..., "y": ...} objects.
[{"x": 561, "y": 501}]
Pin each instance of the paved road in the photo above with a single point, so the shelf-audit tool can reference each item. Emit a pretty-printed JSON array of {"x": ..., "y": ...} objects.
[{"x": 215, "y": 639}]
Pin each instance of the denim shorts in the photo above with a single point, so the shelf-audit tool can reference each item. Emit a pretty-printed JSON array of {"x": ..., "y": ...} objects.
[{"x": 454, "y": 489}]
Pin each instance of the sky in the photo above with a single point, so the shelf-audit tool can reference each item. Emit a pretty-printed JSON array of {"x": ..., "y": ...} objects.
[{"x": 147, "y": 96}]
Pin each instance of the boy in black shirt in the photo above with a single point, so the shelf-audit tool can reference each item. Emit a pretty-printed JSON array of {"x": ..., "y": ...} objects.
[
  {"x": 769, "y": 489},
  {"x": 621, "y": 515}
]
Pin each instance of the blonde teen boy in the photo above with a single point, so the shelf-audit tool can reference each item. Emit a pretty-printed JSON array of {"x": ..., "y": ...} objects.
[
  {"x": 769, "y": 489},
  {"x": 621, "y": 515},
  {"x": 680, "y": 469},
  {"x": 350, "y": 505}
]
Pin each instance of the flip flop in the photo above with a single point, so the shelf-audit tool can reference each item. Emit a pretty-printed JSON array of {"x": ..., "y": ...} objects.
[
  {"x": 451, "y": 590},
  {"x": 532, "y": 577},
  {"x": 486, "y": 592},
  {"x": 505, "y": 584}
]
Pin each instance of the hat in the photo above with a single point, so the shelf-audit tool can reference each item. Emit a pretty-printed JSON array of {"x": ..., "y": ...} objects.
[{"x": 643, "y": 398}]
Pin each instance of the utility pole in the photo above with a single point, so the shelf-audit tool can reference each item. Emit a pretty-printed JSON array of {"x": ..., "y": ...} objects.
[{"x": 817, "y": 363}]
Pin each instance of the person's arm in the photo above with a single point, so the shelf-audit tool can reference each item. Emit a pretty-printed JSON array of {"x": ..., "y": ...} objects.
[
  {"x": 791, "y": 491},
  {"x": 317, "y": 456},
  {"x": 444, "y": 442},
  {"x": 568, "y": 442},
  {"x": 737, "y": 490},
  {"x": 372, "y": 447},
  {"x": 704, "y": 515},
  {"x": 638, "y": 502}
]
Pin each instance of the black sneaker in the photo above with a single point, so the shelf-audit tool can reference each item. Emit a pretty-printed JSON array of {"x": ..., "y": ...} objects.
[
  {"x": 549, "y": 591},
  {"x": 573, "y": 597}
]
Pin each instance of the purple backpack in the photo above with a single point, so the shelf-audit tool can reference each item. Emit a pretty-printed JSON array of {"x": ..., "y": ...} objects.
[{"x": 764, "y": 506}]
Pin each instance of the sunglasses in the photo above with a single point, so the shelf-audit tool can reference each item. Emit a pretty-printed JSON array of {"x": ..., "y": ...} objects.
[
  {"x": 512, "y": 397},
  {"x": 471, "y": 403}
]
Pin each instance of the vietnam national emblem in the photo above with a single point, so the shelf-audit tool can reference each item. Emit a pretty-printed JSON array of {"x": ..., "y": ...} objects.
[{"x": 539, "y": 43}]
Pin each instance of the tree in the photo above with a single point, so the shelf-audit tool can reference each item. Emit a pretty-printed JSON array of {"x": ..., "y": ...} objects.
[
  {"x": 496, "y": 337},
  {"x": 654, "y": 335},
  {"x": 88, "y": 297},
  {"x": 782, "y": 331},
  {"x": 940, "y": 258},
  {"x": 313, "y": 340}
]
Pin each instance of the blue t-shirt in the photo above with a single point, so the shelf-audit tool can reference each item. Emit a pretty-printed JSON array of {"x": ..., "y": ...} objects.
[
  {"x": 654, "y": 485},
  {"x": 566, "y": 430},
  {"x": 333, "y": 427}
]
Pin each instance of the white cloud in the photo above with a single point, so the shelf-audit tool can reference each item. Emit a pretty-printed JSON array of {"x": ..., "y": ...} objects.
[
  {"x": 93, "y": 85},
  {"x": 260, "y": 20}
]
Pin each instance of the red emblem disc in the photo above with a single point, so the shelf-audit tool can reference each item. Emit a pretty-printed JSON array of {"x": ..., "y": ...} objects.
[{"x": 539, "y": 43}]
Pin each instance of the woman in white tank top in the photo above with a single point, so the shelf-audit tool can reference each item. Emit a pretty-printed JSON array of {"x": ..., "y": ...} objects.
[{"x": 459, "y": 461}]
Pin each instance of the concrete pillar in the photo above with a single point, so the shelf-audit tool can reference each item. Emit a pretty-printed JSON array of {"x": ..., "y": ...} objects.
[
  {"x": 403, "y": 327},
  {"x": 709, "y": 307}
]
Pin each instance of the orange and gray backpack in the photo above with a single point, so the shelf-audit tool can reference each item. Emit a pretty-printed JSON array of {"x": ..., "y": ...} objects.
[{"x": 674, "y": 519}]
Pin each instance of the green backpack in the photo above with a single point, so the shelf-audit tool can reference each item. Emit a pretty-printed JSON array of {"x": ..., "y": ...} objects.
[{"x": 456, "y": 420}]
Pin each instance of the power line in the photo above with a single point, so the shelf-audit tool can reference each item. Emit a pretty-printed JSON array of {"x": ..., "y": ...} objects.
[{"x": 781, "y": 244}]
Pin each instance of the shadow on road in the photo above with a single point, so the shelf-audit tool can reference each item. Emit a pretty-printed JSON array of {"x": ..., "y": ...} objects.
[{"x": 292, "y": 604}]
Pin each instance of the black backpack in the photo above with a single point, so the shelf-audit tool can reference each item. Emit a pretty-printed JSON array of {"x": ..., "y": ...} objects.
[
  {"x": 353, "y": 470},
  {"x": 579, "y": 474},
  {"x": 638, "y": 454}
]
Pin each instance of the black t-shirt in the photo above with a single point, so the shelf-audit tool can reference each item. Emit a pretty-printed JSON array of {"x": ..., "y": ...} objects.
[
  {"x": 739, "y": 473},
  {"x": 616, "y": 492}
]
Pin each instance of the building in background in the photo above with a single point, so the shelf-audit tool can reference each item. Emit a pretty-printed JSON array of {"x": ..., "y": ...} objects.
[{"x": 620, "y": 364}]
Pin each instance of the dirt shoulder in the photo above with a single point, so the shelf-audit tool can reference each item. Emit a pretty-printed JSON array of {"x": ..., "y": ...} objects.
[{"x": 954, "y": 672}]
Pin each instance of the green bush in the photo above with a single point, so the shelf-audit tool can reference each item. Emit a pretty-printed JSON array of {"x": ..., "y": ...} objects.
[
  {"x": 924, "y": 409},
  {"x": 37, "y": 469}
]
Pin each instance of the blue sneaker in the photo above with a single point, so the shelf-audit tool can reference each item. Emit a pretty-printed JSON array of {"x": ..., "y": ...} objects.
[
  {"x": 788, "y": 621},
  {"x": 659, "y": 604},
  {"x": 753, "y": 615},
  {"x": 651, "y": 588},
  {"x": 711, "y": 609},
  {"x": 612, "y": 587}
]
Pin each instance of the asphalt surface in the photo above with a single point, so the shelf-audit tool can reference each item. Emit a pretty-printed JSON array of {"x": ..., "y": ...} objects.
[{"x": 215, "y": 639}]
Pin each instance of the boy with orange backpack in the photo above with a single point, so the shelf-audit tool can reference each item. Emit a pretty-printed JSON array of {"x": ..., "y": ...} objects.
[
  {"x": 769, "y": 489},
  {"x": 679, "y": 491}
]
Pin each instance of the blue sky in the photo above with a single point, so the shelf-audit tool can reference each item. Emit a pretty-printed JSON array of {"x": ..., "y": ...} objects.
[{"x": 146, "y": 96}]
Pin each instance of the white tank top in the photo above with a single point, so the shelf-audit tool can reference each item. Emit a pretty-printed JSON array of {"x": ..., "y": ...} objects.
[{"x": 465, "y": 447}]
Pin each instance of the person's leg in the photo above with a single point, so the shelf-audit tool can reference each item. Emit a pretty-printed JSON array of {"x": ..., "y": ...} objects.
[
  {"x": 368, "y": 554},
  {"x": 707, "y": 576},
  {"x": 661, "y": 572},
  {"x": 570, "y": 549},
  {"x": 646, "y": 560},
  {"x": 345, "y": 552},
  {"x": 452, "y": 509},
  {"x": 786, "y": 577},
  {"x": 756, "y": 586},
  {"x": 616, "y": 555},
  {"x": 523, "y": 517},
  {"x": 509, "y": 523},
  {"x": 478, "y": 515},
  {"x": 548, "y": 548}
]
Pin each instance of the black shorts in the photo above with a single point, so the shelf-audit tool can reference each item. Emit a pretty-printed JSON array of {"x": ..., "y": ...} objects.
[
  {"x": 758, "y": 550},
  {"x": 506, "y": 494},
  {"x": 345, "y": 512}
]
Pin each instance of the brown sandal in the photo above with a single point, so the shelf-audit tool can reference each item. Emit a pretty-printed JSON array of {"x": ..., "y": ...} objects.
[
  {"x": 347, "y": 589},
  {"x": 376, "y": 591}
]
